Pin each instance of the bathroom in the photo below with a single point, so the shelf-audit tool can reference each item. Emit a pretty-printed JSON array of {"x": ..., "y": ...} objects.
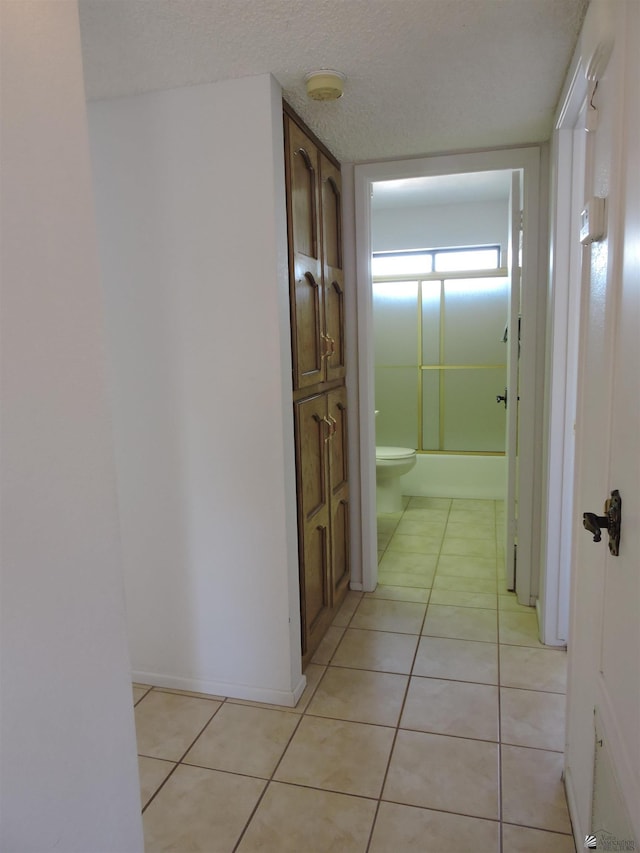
[{"x": 440, "y": 304}]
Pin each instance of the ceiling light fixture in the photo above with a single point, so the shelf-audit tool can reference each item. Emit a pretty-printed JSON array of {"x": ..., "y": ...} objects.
[{"x": 325, "y": 85}]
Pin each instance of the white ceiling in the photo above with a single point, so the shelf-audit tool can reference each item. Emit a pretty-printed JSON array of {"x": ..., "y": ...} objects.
[{"x": 422, "y": 76}]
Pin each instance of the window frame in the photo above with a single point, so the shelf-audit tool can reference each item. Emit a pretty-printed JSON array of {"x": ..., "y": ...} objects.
[{"x": 433, "y": 254}]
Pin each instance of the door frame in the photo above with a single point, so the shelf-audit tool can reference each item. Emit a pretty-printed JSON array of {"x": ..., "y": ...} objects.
[
  {"x": 568, "y": 177},
  {"x": 512, "y": 405},
  {"x": 530, "y": 161}
]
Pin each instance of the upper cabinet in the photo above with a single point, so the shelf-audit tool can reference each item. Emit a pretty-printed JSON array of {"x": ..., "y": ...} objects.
[{"x": 315, "y": 245}]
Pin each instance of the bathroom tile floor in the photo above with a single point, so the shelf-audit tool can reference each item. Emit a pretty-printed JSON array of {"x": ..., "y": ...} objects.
[{"x": 433, "y": 720}]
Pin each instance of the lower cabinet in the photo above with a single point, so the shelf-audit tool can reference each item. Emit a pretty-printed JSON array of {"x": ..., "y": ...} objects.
[{"x": 323, "y": 511}]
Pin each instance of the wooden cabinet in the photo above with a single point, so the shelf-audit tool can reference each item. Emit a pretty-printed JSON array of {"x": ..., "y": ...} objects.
[
  {"x": 320, "y": 406},
  {"x": 323, "y": 509},
  {"x": 315, "y": 254}
]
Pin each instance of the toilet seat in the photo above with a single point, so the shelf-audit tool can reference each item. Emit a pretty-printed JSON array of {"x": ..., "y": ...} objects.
[{"x": 394, "y": 453}]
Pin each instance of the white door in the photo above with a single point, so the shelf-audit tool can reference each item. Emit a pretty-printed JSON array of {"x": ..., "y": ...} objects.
[
  {"x": 603, "y": 711},
  {"x": 511, "y": 393}
]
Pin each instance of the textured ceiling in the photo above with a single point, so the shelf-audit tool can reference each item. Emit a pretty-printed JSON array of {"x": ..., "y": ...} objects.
[{"x": 423, "y": 76}]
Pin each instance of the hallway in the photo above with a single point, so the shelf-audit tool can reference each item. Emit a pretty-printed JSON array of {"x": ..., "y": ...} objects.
[{"x": 433, "y": 720}]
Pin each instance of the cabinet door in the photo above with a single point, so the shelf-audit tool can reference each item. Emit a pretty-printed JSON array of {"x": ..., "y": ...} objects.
[
  {"x": 309, "y": 341},
  {"x": 309, "y": 344},
  {"x": 339, "y": 497},
  {"x": 312, "y": 441},
  {"x": 332, "y": 266},
  {"x": 303, "y": 181}
]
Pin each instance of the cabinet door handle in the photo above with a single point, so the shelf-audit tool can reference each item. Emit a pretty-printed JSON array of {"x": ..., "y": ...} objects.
[
  {"x": 330, "y": 431},
  {"x": 334, "y": 425},
  {"x": 327, "y": 343}
]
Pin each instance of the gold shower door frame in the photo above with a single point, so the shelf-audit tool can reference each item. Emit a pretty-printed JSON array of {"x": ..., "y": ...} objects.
[{"x": 501, "y": 272}]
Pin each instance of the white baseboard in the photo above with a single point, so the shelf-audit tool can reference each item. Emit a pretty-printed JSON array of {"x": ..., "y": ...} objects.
[
  {"x": 554, "y": 642},
  {"x": 579, "y": 833},
  {"x": 287, "y": 698}
]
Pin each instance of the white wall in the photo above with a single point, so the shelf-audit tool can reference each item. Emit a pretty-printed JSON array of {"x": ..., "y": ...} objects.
[
  {"x": 440, "y": 226},
  {"x": 191, "y": 212},
  {"x": 69, "y": 773}
]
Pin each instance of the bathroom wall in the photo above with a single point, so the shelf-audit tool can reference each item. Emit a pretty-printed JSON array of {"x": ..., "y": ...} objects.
[
  {"x": 468, "y": 397},
  {"x": 440, "y": 226}
]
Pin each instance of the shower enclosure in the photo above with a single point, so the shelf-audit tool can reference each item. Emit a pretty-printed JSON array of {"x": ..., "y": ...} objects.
[{"x": 440, "y": 357}]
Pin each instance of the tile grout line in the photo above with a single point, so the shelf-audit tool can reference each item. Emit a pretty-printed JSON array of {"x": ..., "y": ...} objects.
[
  {"x": 397, "y": 728},
  {"x": 224, "y": 701},
  {"x": 270, "y": 779},
  {"x": 404, "y": 699},
  {"x": 497, "y": 647},
  {"x": 539, "y": 829},
  {"x": 180, "y": 760},
  {"x": 305, "y": 713},
  {"x": 146, "y": 692},
  {"x": 500, "y": 803},
  {"x": 386, "y": 547},
  {"x": 394, "y": 533},
  {"x": 499, "y": 821}
]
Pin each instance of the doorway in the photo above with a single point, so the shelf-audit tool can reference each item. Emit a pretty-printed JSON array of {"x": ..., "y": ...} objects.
[
  {"x": 531, "y": 345},
  {"x": 440, "y": 288}
]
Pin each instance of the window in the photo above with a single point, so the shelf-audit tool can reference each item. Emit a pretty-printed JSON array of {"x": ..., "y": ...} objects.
[
  {"x": 401, "y": 263},
  {"x": 459, "y": 260},
  {"x": 425, "y": 261}
]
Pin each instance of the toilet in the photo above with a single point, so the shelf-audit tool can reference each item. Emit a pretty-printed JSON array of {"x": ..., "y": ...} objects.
[{"x": 391, "y": 464}]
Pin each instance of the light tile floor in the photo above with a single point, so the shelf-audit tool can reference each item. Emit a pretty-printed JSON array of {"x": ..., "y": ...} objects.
[{"x": 433, "y": 720}]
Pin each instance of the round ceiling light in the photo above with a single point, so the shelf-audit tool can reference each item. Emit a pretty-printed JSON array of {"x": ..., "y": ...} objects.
[{"x": 325, "y": 85}]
